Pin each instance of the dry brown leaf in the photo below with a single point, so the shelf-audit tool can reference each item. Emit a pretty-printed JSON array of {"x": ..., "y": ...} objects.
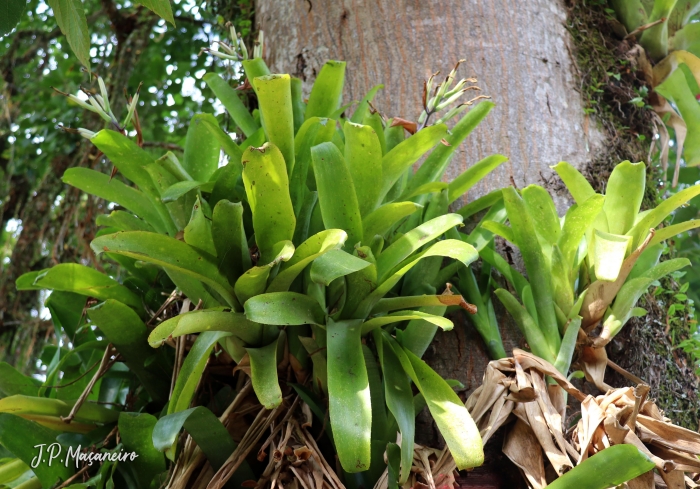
[
  {"x": 522, "y": 448},
  {"x": 411, "y": 127},
  {"x": 644, "y": 481},
  {"x": 593, "y": 363}
]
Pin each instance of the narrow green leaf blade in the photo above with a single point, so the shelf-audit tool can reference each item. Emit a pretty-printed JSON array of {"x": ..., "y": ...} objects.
[
  {"x": 191, "y": 370},
  {"x": 349, "y": 397},
  {"x": 434, "y": 166},
  {"x": 535, "y": 264},
  {"x": 336, "y": 192},
  {"x": 381, "y": 220},
  {"x": 102, "y": 186},
  {"x": 169, "y": 253},
  {"x": 263, "y": 374},
  {"x": 607, "y": 468},
  {"x": 206, "y": 320},
  {"x": 327, "y": 91},
  {"x": 461, "y": 185},
  {"x": 234, "y": 105},
  {"x": 73, "y": 277},
  {"x": 267, "y": 186},
  {"x": 70, "y": 17},
  {"x": 406, "y": 153},
  {"x": 363, "y": 155},
  {"x": 275, "y": 100},
  {"x": 412, "y": 241}
]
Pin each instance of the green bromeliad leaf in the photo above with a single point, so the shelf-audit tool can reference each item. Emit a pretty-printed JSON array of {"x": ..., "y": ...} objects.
[
  {"x": 327, "y": 91},
  {"x": 607, "y": 468},
  {"x": 284, "y": 309},
  {"x": 348, "y": 394},
  {"x": 267, "y": 186},
  {"x": 623, "y": 196},
  {"x": 202, "y": 148},
  {"x": 336, "y": 192},
  {"x": 335, "y": 264},
  {"x": 275, "y": 100},
  {"x": 263, "y": 374},
  {"x": 73, "y": 277},
  {"x": 453, "y": 419},
  {"x": 363, "y": 156},
  {"x": 234, "y": 105},
  {"x": 193, "y": 322}
]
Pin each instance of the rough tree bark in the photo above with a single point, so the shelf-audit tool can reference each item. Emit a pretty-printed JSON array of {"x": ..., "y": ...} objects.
[{"x": 518, "y": 53}]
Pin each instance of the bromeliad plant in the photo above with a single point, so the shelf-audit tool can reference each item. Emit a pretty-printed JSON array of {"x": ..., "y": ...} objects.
[
  {"x": 668, "y": 31},
  {"x": 590, "y": 266},
  {"x": 315, "y": 247}
]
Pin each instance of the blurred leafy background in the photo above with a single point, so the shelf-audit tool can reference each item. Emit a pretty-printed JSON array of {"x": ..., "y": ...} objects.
[{"x": 42, "y": 221}]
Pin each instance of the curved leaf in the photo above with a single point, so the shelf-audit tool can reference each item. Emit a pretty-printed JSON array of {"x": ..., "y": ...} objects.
[
  {"x": 406, "y": 153},
  {"x": 453, "y": 419},
  {"x": 607, "y": 468},
  {"x": 169, "y": 253},
  {"x": 284, "y": 309},
  {"x": 200, "y": 321},
  {"x": 381, "y": 220},
  {"x": 308, "y": 251},
  {"x": 395, "y": 317},
  {"x": 100, "y": 185},
  {"x": 335, "y": 264},
  {"x": 434, "y": 165},
  {"x": 73, "y": 277},
  {"x": 412, "y": 241},
  {"x": 254, "y": 280},
  {"x": 191, "y": 370},
  {"x": 578, "y": 186},
  {"x": 461, "y": 185}
]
